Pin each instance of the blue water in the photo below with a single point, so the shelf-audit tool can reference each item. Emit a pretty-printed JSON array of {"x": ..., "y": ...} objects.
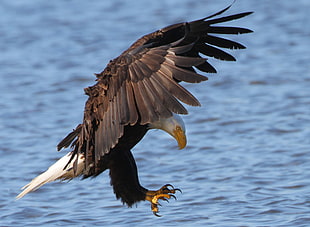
[{"x": 248, "y": 157}]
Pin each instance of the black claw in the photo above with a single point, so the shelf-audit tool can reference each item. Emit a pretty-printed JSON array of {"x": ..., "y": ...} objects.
[
  {"x": 166, "y": 200},
  {"x": 173, "y": 197},
  {"x": 177, "y": 189},
  {"x": 156, "y": 214},
  {"x": 168, "y": 185}
]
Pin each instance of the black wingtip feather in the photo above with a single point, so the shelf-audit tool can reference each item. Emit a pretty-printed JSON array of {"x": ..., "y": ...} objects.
[
  {"x": 216, "y": 14},
  {"x": 221, "y": 42},
  {"x": 215, "y": 52},
  {"x": 228, "y": 30},
  {"x": 228, "y": 18}
]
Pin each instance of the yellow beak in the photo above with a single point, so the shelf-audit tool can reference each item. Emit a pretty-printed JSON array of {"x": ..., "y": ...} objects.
[{"x": 180, "y": 137}]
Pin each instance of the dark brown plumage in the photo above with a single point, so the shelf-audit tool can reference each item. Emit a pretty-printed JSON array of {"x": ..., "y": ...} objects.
[{"x": 141, "y": 87}]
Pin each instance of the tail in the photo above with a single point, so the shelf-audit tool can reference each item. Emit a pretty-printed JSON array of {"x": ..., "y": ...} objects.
[{"x": 55, "y": 172}]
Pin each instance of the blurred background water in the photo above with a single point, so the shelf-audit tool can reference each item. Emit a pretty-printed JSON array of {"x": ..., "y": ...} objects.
[{"x": 248, "y": 157}]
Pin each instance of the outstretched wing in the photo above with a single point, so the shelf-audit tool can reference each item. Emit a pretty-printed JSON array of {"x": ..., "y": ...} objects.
[{"x": 142, "y": 84}]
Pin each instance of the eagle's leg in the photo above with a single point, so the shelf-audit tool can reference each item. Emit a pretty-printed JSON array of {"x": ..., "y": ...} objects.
[
  {"x": 164, "y": 193},
  {"x": 125, "y": 181}
]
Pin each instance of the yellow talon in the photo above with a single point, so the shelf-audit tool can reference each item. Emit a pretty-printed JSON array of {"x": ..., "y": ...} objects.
[
  {"x": 160, "y": 196},
  {"x": 164, "y": 193}
]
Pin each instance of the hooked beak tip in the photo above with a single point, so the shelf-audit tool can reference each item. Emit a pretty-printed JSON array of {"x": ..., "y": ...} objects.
[{"x": 180, "y": 137}]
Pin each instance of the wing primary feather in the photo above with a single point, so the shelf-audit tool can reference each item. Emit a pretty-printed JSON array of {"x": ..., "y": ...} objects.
[
  {"x": 99, "y": 140},
  {"x": 121, "y": 104},
  {"x": 197, "y": 23},
  {"x": 228, "y": 18},
  {"x": 214, "y": 52},
  {"x": 115, "y": 121},
  {"x": 131, "y": 104},
  {"x": 182, "y": 49},
  {"x": 149, "y": 103},
  {"x": 151, "y": 62},
  {"x": 141, "y": 105},
  {"x": 184, "y": 61},
  {"x": 206, "y": 67},
  {"x": 146, "y": 71},
  {"x": 155, "y": 57},
  {"x": 161, "y": 51},
  {"x": 228, "y": 30},
  {"x": 182, "y": 74},
  {"x": 218, "y": 13},
  {"x": 107, "y": 132},
  {"x": 176, "y": 89},
  {"x": 125, "y": 113},
  {"x": 160, "y": 109},
  {"x": 168, "y": 99},
  {"x": 221, "y": 42}
]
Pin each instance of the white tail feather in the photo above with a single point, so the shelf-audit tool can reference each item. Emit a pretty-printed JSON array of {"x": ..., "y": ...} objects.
[{"x": 55, "y": 172}]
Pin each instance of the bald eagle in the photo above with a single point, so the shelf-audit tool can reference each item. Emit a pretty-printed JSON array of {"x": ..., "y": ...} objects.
[{"x": 136, "y": 92}]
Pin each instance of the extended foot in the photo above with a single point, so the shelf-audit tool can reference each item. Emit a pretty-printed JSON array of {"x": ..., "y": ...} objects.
[{"x": 164, "y": 193}]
